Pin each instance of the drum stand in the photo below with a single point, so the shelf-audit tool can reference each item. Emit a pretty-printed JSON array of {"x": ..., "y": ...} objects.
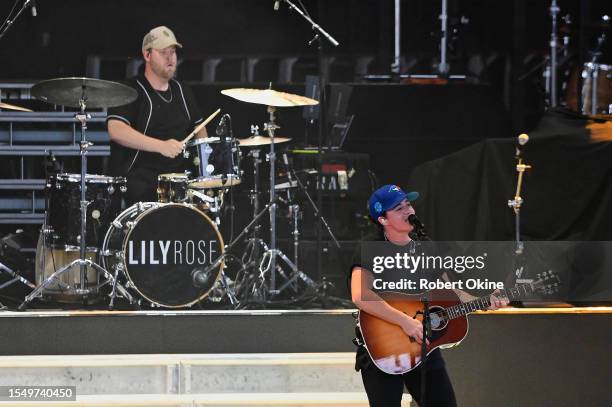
[
  {"x": 82, "y": 262},
  {"x": 15, "y": 278},
  {"x": 251, "y": 251}
]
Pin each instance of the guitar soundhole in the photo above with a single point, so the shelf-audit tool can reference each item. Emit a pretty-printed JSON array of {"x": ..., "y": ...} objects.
[{"x": 438, "y": 318}]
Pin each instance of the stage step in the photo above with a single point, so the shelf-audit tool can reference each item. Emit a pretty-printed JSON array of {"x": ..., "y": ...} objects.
[{"x": 295, "y": 379}]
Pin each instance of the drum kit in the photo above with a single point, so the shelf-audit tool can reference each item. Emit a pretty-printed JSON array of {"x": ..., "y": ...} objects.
[{"x": 168, "y": 253}]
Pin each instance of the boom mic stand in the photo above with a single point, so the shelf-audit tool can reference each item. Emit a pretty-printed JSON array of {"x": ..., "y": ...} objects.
[{"x": 320, "y": 33}]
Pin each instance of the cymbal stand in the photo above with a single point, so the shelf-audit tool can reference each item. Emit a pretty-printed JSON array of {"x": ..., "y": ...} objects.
[
  {"x": 251, "y": 252},
  {"x": 82, "y": 262},
  {"x": 268, "y": 262},
  {"x": 269, "y": 258}
]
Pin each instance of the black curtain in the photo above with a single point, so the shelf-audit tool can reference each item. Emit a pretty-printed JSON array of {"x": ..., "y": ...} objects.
[{"x": 567, "y": 194}]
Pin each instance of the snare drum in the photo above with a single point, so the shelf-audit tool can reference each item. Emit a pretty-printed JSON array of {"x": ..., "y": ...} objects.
[
  {"x": 159, "y": 246},
  {"x": 214, "y": 163},
  {"x": 64, "y": 208},
  {"x": 172, "y": 187}
]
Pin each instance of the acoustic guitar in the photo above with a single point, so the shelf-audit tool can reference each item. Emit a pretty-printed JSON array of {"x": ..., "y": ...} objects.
[{"x": 393, "y": 352}]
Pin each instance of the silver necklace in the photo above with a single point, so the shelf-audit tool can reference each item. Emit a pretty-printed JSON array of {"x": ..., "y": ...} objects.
[{"x": 163, "y": 98}]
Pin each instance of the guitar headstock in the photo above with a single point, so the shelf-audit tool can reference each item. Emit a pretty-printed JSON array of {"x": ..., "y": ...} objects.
[{"x": 546, "y": 283}]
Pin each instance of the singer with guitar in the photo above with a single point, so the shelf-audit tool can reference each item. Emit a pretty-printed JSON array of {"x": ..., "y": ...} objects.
[{"x": 390, "y": 208}]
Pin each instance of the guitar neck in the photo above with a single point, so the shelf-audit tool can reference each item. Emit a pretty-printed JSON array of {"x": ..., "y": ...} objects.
[{"x": 483, "y": 303}]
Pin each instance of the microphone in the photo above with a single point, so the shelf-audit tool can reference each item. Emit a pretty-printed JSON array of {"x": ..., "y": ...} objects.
[
  {"x": 276, "y": 5},
  {"x": 416, "y": 222},
  {"x": 33, "y": 8},
  {"x": 201, "y": 277},
  {"x": 221, "y": 126},
  {"x": 419, "y": 232},
  {"x": 522, "y": 139}
]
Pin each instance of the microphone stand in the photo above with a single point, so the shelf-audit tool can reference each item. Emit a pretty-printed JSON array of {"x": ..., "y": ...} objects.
[
  {"x": 319, "y": 34},
  {"x": 426, "y": 334},
  {"x": 515, "y": 204},
  {"x": 554, "y": 11},
  {"x": 9, "y": 22},
  {"x": 419, "y": 233}
]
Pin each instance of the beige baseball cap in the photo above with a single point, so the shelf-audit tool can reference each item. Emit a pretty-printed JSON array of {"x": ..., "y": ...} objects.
[{"x": 160, "y": 38}]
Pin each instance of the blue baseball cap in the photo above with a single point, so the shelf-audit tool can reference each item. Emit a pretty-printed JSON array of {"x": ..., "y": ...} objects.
[{"x": 388, "y": 197}]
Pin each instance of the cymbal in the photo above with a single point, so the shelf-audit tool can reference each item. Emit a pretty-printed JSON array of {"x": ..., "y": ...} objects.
[
  {"x": 98, "y": 93},
  {"x": 261, "y": 141},
  {"x": 268, "y": 97},
  {"x": 13, "y": 107}
]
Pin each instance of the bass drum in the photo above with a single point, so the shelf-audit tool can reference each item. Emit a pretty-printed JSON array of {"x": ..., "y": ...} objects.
[{"x": 158, "y": 247}]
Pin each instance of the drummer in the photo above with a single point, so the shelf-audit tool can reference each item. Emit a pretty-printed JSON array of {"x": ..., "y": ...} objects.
[{"x": 146, "y": 135}]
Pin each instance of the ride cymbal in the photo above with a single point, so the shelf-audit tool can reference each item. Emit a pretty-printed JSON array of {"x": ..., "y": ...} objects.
[
  {"x": 268, "y": 97},
  {"x": 261, "y": 141}
]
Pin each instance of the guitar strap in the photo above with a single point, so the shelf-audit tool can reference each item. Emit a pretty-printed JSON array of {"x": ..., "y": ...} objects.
[{"x": 358, "y": 339}]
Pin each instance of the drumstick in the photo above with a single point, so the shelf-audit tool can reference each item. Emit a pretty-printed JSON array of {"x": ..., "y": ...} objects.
[{"x": 201, "y": 125}]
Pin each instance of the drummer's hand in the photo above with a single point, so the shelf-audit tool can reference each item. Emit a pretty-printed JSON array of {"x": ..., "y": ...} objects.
[{"x": 171, "y": 148}]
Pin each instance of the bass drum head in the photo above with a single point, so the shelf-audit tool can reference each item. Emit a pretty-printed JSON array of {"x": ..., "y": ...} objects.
[{"x": 161, "y": 249}]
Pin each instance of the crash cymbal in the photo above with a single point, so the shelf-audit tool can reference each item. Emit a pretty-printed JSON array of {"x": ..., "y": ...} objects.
[
  {"x": 13, "y": 107},
  {"x": 261, "y": 141},
  {"x": 97, "y": 93},
  {"x": 268, "y": 97}
]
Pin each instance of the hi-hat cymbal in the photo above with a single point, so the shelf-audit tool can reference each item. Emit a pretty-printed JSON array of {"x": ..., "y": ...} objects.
[
  {"x": 13, "y": 107},
  {"x": 96, "y": 92},
  {"x": 268, "y": 97},
  {"x": 261, "y": 141}
]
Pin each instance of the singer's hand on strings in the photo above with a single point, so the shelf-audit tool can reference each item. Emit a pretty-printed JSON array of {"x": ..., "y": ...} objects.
[{"x": 497, "y": 301}]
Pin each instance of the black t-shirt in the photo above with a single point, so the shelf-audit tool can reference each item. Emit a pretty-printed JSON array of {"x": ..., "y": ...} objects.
[
  {"x": 363, "y": 360},
  {"x": 162, "y": 115}
]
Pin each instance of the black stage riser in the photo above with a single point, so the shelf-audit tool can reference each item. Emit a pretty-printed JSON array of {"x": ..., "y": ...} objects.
[{"x": 506, "y": 360}]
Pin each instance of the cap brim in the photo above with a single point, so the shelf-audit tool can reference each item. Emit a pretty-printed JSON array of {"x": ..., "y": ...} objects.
[
  {"x": 162, "y": 46},
  {"x": 410, "y": 196}
]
